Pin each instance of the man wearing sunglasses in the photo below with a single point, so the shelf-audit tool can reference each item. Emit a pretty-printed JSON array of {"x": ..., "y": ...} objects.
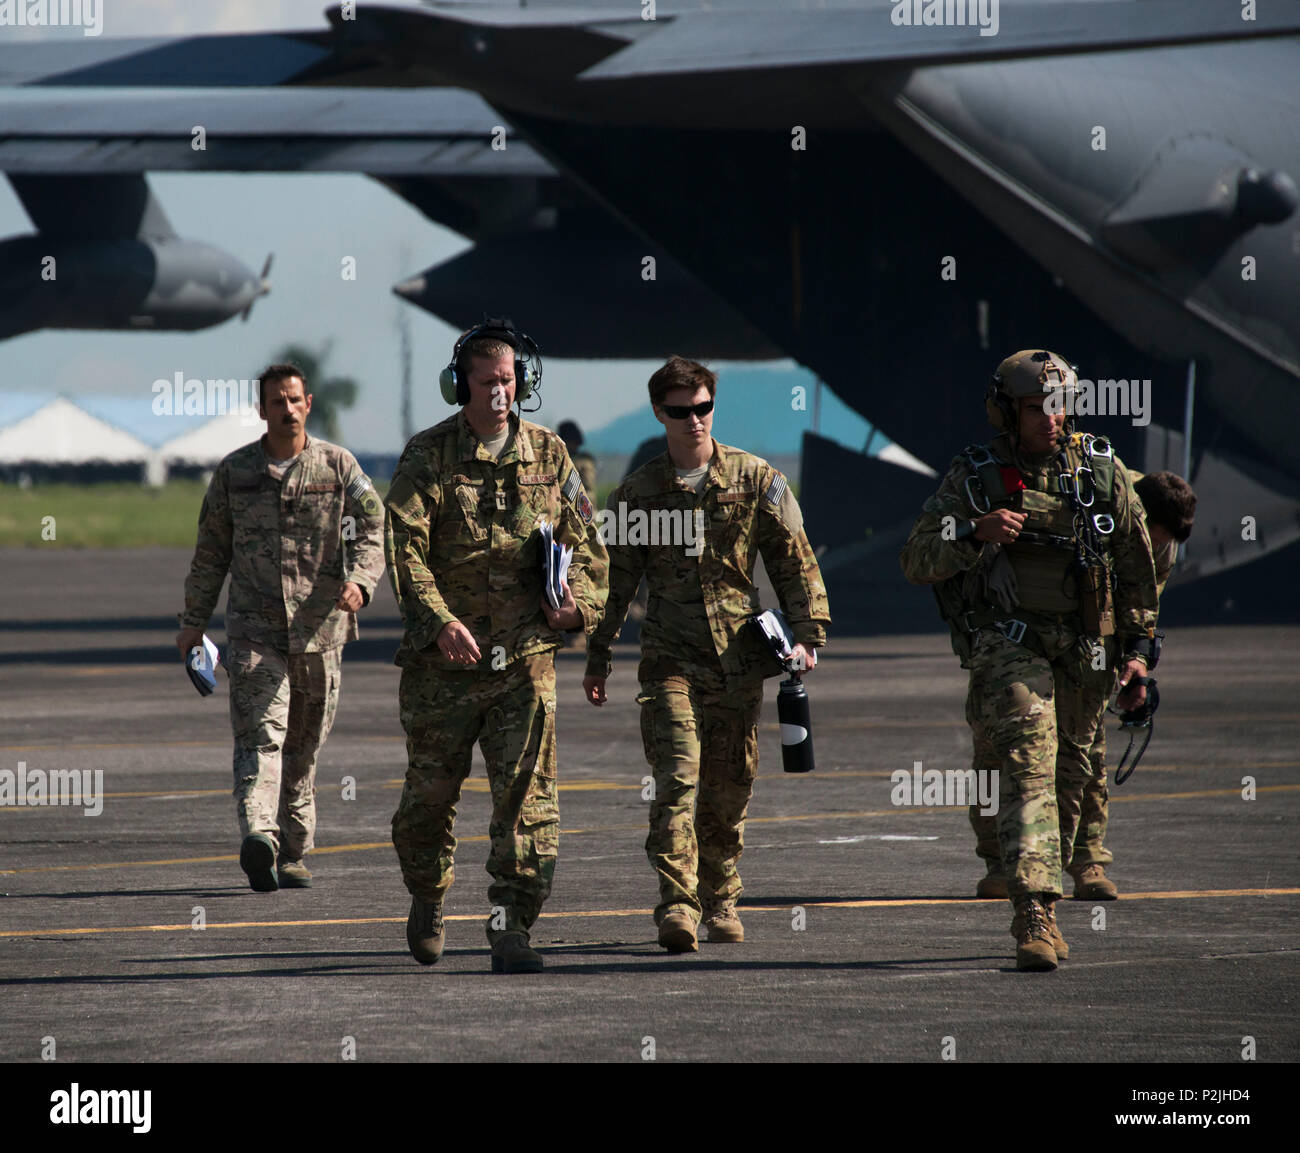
[{"x": 693, "y": 521}]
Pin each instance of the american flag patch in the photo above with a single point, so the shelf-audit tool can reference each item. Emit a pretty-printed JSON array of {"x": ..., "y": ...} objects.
[
  {"x": 775, "y": 490},
  {"x": 571, "y": 486},
  {"x": 357, "y": 489}
]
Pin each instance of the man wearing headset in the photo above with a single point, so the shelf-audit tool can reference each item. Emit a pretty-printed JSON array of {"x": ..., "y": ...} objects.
[
  {"x": 464, "y": 548},
  {"x": 1038, "y": 549}
]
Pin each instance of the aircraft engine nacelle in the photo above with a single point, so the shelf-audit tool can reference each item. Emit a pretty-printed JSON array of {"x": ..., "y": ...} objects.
[{"x": 168, "y": 284}]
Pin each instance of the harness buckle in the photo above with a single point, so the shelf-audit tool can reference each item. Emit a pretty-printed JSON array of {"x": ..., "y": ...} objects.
[
  {"x": 1104, "y": 523},
  {"x": 970, "y": 495},
  {"x": 1013, "y": 629},
  {"x": 1067, "y": 485},
  {"x": 1105, "y": 453},
  {"x": 979, "y": 456}
]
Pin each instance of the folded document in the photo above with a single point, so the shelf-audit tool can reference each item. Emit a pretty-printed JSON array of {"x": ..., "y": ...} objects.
[{"x": 555, "y": 564}]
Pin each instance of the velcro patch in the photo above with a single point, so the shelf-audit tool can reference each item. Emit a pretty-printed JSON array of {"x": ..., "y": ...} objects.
[
  {"x": 359, "y": 485},
  {"x": 537, "y": 478},
  {"x": 584, "y": 507},
  {"x": 775, "y": 490},
  {"x": 572, "y": 486}
]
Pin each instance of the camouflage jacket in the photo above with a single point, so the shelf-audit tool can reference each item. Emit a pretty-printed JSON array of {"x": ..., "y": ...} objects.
[
  {"x": 702, "y": 589},
  {"x": 928, "y": 558},
  {"x": 463, "y": 542},
  {"x": 289, "y": 546}
]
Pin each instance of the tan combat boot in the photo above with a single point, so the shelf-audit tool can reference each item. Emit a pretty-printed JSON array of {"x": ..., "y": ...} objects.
[
  {"x": 677, "y": 933},
  {"x": 1092, "y": 884},
  {"x": 292, "y": 874},
  {"x": 424, "y": 931},
  {"x": 1058, "y": 941},
  {"x": 1033, "y": 934},
  {"x": 993, "y": 886},
  {"x": 724, "y": 926},
  {"x": 511, "y": 954}
]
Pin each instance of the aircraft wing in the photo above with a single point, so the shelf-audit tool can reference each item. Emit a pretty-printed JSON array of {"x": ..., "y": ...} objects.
[
  {"x": 733, "y": 40},
  {"x": 420, "y": 132}
]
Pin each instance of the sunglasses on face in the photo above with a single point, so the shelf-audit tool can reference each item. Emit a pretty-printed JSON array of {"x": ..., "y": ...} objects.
[{"x": 682, "y": 411}]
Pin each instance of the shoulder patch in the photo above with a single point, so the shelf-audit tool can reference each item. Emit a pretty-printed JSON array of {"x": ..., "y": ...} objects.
[
  {"x": 359, "y": 486},
  {"x": 775, "y": 490},
  {"x": 572, "y": 486},
  {"x": 584, "y": 507}
]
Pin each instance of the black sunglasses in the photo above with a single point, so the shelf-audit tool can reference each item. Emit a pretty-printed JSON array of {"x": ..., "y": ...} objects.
[{"x": 682, "y": 411}]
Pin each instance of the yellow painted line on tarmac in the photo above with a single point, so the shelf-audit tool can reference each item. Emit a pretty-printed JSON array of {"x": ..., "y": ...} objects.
[
  {"x": 871, "y": 903},
  {"x": 114, "y": 745},
  {"x": 792, "y": 817},
  {"x": 479, "y": 785}
]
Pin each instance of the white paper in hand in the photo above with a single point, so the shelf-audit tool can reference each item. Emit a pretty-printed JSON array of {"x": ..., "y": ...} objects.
[
  {"x": 555, "y": 564},
  {"x": 201, "y": 665}
]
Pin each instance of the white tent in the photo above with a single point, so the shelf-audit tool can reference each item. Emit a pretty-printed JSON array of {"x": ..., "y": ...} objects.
[
  {"x": 206, "y": 445},
  {"x": 61, "y": 433}
]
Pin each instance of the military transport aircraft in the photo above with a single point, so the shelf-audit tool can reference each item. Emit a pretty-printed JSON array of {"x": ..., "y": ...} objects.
[{"x": 895, "y": 193}]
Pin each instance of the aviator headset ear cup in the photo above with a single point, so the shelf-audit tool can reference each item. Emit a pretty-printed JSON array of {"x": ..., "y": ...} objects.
[
  {"x": 998, "y": 407},
  {"x": 528, "y": 367}
]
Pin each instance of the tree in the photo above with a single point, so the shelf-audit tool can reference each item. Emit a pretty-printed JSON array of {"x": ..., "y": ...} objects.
[{"x": 330, "y": 395}]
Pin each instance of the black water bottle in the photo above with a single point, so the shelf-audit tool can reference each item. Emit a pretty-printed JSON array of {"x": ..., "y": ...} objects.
[{"x": 796, "y": 726}]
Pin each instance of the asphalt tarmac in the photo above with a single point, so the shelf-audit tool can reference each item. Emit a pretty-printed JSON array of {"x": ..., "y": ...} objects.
[{"x": 131, "y": 935}]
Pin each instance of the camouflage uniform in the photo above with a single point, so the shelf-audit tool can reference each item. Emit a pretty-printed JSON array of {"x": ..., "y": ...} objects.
[
  {"x": 1089, "y": 841},
  {"x": 463, "y": 545},
  {"x": 289, "y": 542},
  {"x": 701, "y": 676},
  {"x": 1034, "y": 707},
  {"x": 587, "y": 471},
  {"x": 1094, "y": 815}
]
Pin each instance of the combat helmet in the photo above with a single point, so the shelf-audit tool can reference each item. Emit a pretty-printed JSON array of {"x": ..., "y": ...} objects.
[{"x": 1030, "y": 372}]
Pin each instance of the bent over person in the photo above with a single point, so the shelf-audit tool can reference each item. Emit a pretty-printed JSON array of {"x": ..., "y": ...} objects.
[
  {"x": 299, "y": 527},
  {"x": 1038, "y": 549},
  {"x": 705, "y": 512},
  {"x": 464, "y": 544}
]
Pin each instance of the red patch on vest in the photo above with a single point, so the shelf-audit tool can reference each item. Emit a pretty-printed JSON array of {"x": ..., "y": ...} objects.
[{"x": 1012, "y": 481}]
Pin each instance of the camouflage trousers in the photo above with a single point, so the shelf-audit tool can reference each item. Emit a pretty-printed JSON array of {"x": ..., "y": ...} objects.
[
  {"x": 510, "y": 713},
  {"x": 700, "y": 733},
  {"x": 1089, "y": 839},
  {"x": 282, "y": 708},
  {"x": 1035, "y": 719}
]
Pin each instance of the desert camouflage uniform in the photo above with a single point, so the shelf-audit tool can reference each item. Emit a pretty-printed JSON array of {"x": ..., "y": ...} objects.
[
  {"x": 701, "y": 677},
  {"x": 463, "y": 544},
  {"x": 289, "y": 542},
  {"x": 1034, "y": 708}
]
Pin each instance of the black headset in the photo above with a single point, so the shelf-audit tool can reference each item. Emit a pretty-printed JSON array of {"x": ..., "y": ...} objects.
[{"x": 454, "y": 382}]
